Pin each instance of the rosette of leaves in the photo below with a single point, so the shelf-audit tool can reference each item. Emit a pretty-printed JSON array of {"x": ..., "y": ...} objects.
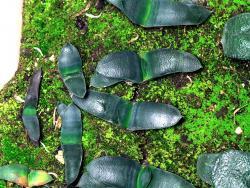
[
  {"x": 23, "y": 176},
  {"x": 29, "y": 114},
  {"x": 159, "y": 13},
  {"x": 128, "y": 115},
  {"x": 70, "y": 69},
  {"x": 71, "y": 140},
  {"x": 236, "y": 37},
  {"x": 230, "y": 169},
  {"x": 125, "y": 173},
  {"x": 136, "y": 68}
]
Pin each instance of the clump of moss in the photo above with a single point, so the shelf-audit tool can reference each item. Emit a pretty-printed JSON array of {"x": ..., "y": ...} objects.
[{"x": 207, "y": 99}]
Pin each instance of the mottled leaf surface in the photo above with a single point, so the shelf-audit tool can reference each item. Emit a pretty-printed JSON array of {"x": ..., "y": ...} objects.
[
  {"x": 132, "y": 116},
  {"x": 70, "y": 68},
  {"x": 71, "y": 140},
  {"x": 230, "y": 169},
  {"x": 129, "y": 66},
  {"x": 158, "y": 13},
  {"x": 38, "y": 178},
  {"x": 236, "y": 37},
  {"x": 29, "y": 115}
]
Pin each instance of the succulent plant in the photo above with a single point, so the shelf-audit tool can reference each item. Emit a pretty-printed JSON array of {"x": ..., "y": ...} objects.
[
  {"x": 29, "y": 115},
  {"x": 230, "y": 169},
  {"x": 236, "y": 37},
  {"x": 132, "y": 116},
  {"x": 125, "y": 173},
  {"x": 70, "y": 68},
  {"x": 129, "y": 66},
  {"x": 23, "y": 176},
  {"x": 158, "y": 13},
  {"x": 71, "y": 140}
]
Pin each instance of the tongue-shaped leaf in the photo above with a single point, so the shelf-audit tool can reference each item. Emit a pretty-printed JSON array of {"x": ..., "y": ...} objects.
[
  {"x": 129, "y": 66},
  {"x": 70, "y": 68},
  {"x": 133, "y": 116},
  {"x": 119, "y": 172},
  {"x": 236, "y": 37},
  {"x": 230, "y": 169},
  {"x": 15, "y": 173},
  {"x": 71, "y": 140},
  {"x": 158, "y": 13},
  {"x": 38, "y": 178},
  {"x": 29, "y": 115}
]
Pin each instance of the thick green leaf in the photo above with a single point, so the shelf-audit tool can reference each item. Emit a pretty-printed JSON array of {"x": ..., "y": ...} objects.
[
  {"x": 236, "y": 37},
  {"x": 165, "y": 179},
  {"x": 129, "y": 66},
  {"x": 89, "y": 182},
  {"x": 71, "y": 140},
  {"x": 29, "y": 115},
  {"x": 70, "y": 68},
  {"x": 118, "y": 172},
  {"x": 125, "y": 173},
  {"x": 230, "y": 169},
  {"x": 132, "y": 116},
  {"x": 158, "y": 13},
  {"x": 15, "y": 173}
]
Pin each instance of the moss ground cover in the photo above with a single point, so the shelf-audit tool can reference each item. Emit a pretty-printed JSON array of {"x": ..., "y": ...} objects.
[{"x": 207, "y": 99}]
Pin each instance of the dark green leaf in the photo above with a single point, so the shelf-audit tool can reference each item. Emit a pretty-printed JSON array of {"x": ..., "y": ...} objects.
[
  {"x": 230, "y": 169},
  {"x": 71, "y": 140},
  {"x": 70, "y": 68},
  {"x": 128, "y": 66},
  {"x": 236, "y": 37},
  {"x": 158, "y": 13},
  {"x": 29, "y": 114},
  {"x": 133, "y": 116}
]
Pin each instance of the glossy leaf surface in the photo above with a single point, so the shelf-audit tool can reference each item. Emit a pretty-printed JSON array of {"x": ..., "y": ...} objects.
[
  {"x": 132, "y": 116},
  {"x": 129, "y": 66},
  {"x": 29, "y": 115},
  {"x": 71, "y": 140},
  {"x": 158, "y": 13},
  {"x": 236, "y": 37},
  {"x": 70, "y": 68},
  {"x": 230, "y": 169}
]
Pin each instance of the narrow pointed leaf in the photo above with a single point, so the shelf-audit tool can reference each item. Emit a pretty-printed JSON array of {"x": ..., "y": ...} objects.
[
  {"x": 236, "y": 37},
  {"x": 15, "y": 173},
  {"x": 158, "y": 13},
  {"x": 230, "y": 169},
  {"x": 38, "y": 178},
  {"x": 129, "y": 66},
  {"x": 71, "y": 140},
  {"x": 70, "y": 68},
  {"x": 132, "y": 116},
  {"x": 29, "y": 115}
]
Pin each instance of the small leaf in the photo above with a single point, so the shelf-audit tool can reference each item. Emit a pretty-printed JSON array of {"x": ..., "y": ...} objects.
[{"x": 38, "y": 178}]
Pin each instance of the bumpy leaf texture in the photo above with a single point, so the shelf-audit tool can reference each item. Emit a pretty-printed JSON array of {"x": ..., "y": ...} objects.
[
  {"x": 125, "y": 173},
  {"x": 70, "y": 68},
  {"x": 71, "y": 140},
  {"x": 29, "y": 115},
  {"x": 129, "y": 66},
  {"x": 230, "y": 169},
  {"x": 158, "y": 13},
  {"x": 131, "y": 116},
  {"x": 236, "y": 37},
  {"x": 23, "y": 176}
]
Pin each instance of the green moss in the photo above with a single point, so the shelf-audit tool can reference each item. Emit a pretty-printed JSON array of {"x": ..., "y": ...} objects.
[{"x": 207, "y": 99}]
